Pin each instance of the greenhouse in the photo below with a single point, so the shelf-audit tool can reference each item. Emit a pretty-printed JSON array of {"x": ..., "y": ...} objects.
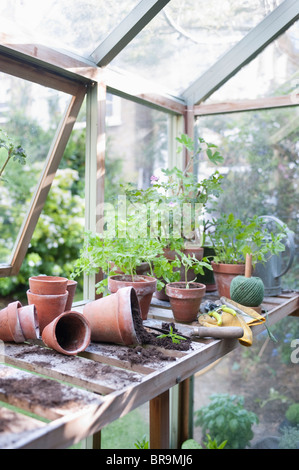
[{"x": 149, "y": 213}]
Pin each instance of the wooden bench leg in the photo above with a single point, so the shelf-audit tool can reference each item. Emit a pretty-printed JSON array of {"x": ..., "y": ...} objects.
[
  {"x": 159, "y": 421},
  {"x": 185, "y": 411}
]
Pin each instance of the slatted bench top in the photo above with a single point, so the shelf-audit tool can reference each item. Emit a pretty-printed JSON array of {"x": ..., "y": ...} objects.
[{"x": 72, "y": 397}]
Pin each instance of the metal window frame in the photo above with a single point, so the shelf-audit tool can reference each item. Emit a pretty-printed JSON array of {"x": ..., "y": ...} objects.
[
  {"x": 120, "y": 37},
  {"x": 278, "y": 21}
]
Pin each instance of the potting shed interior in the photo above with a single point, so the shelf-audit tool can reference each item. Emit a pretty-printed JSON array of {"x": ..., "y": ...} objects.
[{"x": 96, "y": 93}]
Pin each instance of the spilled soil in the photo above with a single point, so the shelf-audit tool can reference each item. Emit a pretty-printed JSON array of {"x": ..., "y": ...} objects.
[
  {"x": 155, "y": 339},
  {"x": 142, "y": 355}
]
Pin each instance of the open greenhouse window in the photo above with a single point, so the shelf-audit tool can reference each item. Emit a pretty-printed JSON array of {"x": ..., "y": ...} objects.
[{"x": 39, "y": 119}]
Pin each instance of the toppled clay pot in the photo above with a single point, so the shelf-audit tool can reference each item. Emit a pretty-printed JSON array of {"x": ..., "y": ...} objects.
[
  {"x": 111, "y": 317},
  {"x": 68, "y": 334},
  {"x": 185, "y": 302},
  {"x": 48, "y": 307},
  {"x": 144, "y": 286},
  {"x": 18, "y": 323},
  {"x": 48, "y": 285}
]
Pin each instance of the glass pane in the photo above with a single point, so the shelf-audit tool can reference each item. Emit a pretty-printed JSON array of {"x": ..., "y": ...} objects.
[
  {"x": 57, "y": 238},
  {"x": 136, "y": 144},
  {"x": 260, "y": 169},
  {"x": 187, "y": 37},
  {"x": 75, "y": 25},
  {"x": 273, "y": 72},
  {"x": 29, "y": 115}
]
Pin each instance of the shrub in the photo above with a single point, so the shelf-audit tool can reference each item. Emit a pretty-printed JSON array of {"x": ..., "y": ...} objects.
[
  {"x": 226, "y": 420},
  {"x": 292, "y": 413}
]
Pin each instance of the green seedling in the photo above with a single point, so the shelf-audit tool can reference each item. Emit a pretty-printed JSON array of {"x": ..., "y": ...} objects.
[{"x": 174, "y": 337}]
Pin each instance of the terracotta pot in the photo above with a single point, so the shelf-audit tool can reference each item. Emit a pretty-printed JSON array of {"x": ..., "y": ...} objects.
[
  {"x": 144, "y": 286},
  {"x": 29, "y": 321},
  {"x": 18, "y": 323},
  {"x": 208, "y": 277},
  {"x": 161, "y": 294},
  {"x": 68, "y": 334},
  {"x": 191, "y": 250},
  {"x": 141, "y": 270},
  {"x": 71, "y": 288},
  {"x": 48, "y": 307},
  {"x": 224, "y": 274},
  {"x": 48, "y": 285},
  {"x": 184, "y": 302},
  {"x": 111, "y": 318}
]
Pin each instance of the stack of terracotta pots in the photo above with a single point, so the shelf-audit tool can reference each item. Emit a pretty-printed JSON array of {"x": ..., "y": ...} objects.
[
  {"x": 49, "y": 294},
  {"x": 62, "y": 329},
  {"x": 18, "y": 323}
]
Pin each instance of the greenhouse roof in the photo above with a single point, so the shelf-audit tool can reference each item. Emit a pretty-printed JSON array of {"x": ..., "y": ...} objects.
[{"x": 188, "y": 49}]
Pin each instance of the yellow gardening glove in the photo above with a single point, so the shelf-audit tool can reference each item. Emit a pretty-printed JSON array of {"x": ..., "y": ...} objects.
[
  {"x": 229, "y": 320},
  {"x": 240, "y": 320}
]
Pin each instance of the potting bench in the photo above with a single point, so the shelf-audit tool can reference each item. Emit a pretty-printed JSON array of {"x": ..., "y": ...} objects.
[{"x": 75, "y": 397}]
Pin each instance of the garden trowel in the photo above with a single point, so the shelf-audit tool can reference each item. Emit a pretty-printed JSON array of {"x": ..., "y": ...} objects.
[{"x": 219, "y": 332}]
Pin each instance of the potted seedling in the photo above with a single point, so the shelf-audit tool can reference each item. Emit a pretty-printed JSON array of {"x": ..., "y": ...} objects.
[
  {"x": 232, "y": 240},
  {"x": 177, "y": 198},
  {"x": 185, "y": 296},
  {"x": 112, "y": 255}
]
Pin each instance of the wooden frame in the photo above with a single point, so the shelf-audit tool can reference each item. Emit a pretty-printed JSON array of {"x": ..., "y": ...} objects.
[{"x": 247, "y": 105}]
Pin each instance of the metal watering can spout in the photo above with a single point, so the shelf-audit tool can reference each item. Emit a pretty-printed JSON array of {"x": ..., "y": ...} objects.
[{"x": 272, "y": 270}]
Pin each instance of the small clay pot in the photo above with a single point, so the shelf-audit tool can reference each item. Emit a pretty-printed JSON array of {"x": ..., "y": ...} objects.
[
  {"x": 48, "y": 307},
  {"x": 144, "y": 286},
  {"x": 18, "y": 323},
  {"x": 111, "y": 317},
  {"x": 185, "y": 302},
  {"x": 48, "y": 285},
  {"x": 29, "y": 321},
  {"x": 68, "y": 334},
  {"x": 224, "y": 274},
  {"x": 71, "y": 288}
]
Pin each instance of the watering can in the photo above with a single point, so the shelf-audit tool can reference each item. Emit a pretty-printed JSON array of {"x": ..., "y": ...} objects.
[{"x": 272, "y": 271}]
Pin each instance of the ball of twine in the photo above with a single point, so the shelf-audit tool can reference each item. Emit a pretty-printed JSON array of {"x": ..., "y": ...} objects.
[{"x": 247, "y": 291}]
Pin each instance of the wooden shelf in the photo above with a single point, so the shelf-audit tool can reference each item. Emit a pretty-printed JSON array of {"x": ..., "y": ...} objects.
[{"x": 79, "y": 395}]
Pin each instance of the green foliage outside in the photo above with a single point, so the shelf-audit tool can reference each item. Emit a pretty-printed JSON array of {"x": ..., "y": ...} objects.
[{"x": 226, "y": 419}]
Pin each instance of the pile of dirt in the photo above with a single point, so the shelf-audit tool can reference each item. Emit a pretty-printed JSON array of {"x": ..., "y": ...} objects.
[{"x": 147, "y": 337}]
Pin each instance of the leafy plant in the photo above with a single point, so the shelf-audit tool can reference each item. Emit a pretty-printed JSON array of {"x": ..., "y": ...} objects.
[
  {"x": 292, "y": 414},
  {"x": 115, "y": 254},
  {"x": 16, "y": 152},
  {"x": 191, "y": 262},
  {"x": 289, "y": 438},
  {"x": 175, "y": 188},
  {"x": 209, "y": 444},
  {"x": 225, "y": 418},
  {"x": 175, "y": 338},
  {"x": 275, "y": 395},
  {"x": 143, "y": 444},
  {"x": 232, "y": 239}
]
